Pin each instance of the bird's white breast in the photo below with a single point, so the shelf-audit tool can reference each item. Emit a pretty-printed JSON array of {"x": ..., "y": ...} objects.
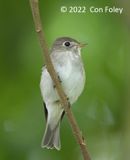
[
  {"x": 72, "y": 76},
  {"x": 70, "y": 69}
]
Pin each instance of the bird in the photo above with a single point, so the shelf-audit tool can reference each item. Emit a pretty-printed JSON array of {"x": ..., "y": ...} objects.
[{"x": 65, "y": 55}]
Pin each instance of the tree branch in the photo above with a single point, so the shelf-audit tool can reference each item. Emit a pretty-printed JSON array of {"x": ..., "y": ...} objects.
[{"x": 63, "y": 98}]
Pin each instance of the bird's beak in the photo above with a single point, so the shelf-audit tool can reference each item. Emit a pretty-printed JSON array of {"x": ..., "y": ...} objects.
[{"x": 82, "y": 45}]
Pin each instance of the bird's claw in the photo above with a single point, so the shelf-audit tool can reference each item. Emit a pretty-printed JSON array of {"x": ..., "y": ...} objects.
[
  {"x": 59, "y": 79},
  {"x": 54, "y": 86},
  {"x": 68, "y": 100}
]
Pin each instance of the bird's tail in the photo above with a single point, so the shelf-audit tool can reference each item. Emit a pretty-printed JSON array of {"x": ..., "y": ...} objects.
[{"x": 51, "y": 138}]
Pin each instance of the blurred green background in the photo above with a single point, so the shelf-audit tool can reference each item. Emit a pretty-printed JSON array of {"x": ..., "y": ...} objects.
[{"x": 103, "y": 109}]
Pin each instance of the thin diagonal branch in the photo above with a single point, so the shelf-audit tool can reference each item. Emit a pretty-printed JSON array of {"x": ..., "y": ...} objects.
[{"x": 63, "y": 99}]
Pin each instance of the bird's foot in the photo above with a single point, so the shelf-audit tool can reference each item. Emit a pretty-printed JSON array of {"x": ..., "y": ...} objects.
[
  {"x": 59, "y": 79},
  {"x": 68, "y": 102},
  {"x": 58, "y": 101},
  {"x": 54, "y": 86}
]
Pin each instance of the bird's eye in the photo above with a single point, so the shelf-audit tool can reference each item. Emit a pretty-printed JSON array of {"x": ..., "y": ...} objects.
[{"x": 67, "y": 43}]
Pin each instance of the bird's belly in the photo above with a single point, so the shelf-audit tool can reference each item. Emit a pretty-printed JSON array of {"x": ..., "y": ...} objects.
[{"x": 73, "y": 82}]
